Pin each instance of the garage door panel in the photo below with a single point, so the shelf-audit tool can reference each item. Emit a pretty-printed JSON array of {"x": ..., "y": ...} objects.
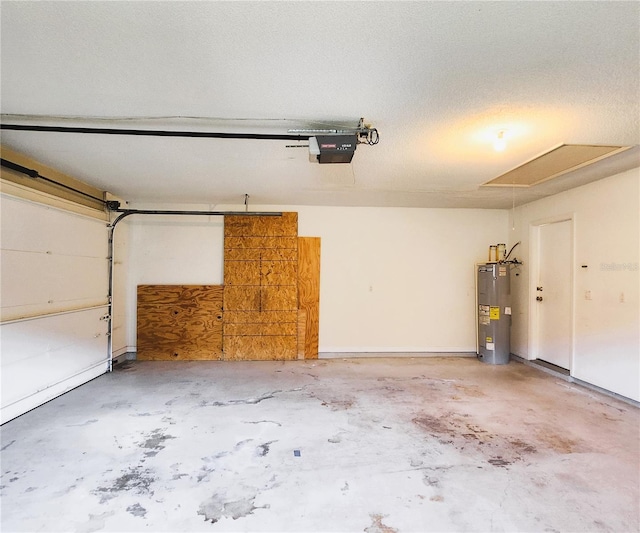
[
  {"x": 41, "y": 283},
  {"x": 47, "y": 229},
  {"x": 55, "y": 285},
  {"x": 89, "y": 279},
  {"x": 43, "y": 351}
]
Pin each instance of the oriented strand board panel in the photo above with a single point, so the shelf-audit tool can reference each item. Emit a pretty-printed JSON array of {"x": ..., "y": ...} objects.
[
  {"x": 279, "y": 254},
  {"x": 251, "y": 243},
  {"x": 256, "y": 298},
  {"x": 179, "y": 322},
  {"x": 279, "y": 328},
  {"x": 285, "y": 225},
  {"x": 260, "y": 272},
  {"x": 278, "y": 272},
  {"x": 261, "y": 287},
  {"x": 255, "y": 254},
  {"x": 260, "y": 347},
  {"x": 241, "y": 298},
  {"x": 241, "y": 272},
  {"x": 256, "y": 317},
  {"x": 278, "y": 298},
  {"x": 309, "y": 291}
]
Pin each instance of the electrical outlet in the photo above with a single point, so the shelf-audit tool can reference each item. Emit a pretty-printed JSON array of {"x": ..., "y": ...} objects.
[
  {"x": 587, "y": 295},
  {"x": 622, "y": 297}
]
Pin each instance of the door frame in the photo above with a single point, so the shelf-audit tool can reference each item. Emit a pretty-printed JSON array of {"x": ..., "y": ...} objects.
[{"x": 534, "y": 258}]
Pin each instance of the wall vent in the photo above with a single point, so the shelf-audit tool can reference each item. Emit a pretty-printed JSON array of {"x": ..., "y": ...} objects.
[{"x": 556, "y": 162}]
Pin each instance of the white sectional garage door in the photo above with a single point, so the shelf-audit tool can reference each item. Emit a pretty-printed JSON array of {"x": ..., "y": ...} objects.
[{"x": 54, "y": 302}]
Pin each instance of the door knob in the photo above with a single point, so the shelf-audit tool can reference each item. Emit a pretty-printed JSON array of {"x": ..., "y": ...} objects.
[{"x": 539, "y": 298}]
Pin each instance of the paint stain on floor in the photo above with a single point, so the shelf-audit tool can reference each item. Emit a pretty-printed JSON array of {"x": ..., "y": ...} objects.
[
  {"x": 263, "y": 449},
  {"x": 377, "y": 526},
  {"x": 136, "y": 480},
  {"x": 137, "y": 510},
  {"x": 216, "y": 508},
  {"x": 153, "y": 442},
  {"x": 96, "y": 522},
  {"x": 126, "y": 365},
  {"x": 458, "y": 431}
]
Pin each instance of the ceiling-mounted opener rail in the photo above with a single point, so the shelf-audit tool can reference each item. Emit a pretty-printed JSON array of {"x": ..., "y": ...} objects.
[
  {"x": 155, "y": 133},
  {"x": 36, "y": 175}
]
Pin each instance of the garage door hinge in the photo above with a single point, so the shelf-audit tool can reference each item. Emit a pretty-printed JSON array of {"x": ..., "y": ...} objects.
[{"x": 105, "y": 317}]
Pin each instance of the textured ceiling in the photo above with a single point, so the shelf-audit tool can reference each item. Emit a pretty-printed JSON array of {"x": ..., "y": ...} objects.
[{"x": 438, "y": 80}]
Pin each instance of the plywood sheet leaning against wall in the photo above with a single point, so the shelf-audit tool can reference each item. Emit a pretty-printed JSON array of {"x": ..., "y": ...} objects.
[
  {"x": 260, "y": 287},
  {"x": 302, "y": 329},
  {"x": 179, "y": 322},
  {"x": 309, "y": 292}
]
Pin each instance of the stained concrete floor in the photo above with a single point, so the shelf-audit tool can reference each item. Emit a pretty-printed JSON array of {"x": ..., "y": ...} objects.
[{"x": 373, "y": 445}]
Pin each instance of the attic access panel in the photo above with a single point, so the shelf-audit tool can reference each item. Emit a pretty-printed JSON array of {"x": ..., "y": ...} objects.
[{"x": 556, "y": 162}]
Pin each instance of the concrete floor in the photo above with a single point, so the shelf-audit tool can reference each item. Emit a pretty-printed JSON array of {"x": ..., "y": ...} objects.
[{"x": 373, "y": 445}]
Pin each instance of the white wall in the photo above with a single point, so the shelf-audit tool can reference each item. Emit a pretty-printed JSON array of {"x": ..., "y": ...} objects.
[
  {"x": 607, "y": 240},
  {"x": 392, "y": 279},
  {"x": 168, "y": 250},
  {"x": 397, "y": 280}
]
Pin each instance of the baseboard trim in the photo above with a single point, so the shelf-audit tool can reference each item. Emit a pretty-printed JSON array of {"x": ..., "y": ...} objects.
[
  {"x": 124, "y": 356},
  {"x": 355, "y": 355},
  {"x": 120, "y": 351},
  {"x": 571, "y": 379}
]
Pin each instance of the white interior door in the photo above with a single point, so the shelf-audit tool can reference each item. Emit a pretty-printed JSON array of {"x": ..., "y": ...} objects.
[{"x": 553, "y": 294}]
